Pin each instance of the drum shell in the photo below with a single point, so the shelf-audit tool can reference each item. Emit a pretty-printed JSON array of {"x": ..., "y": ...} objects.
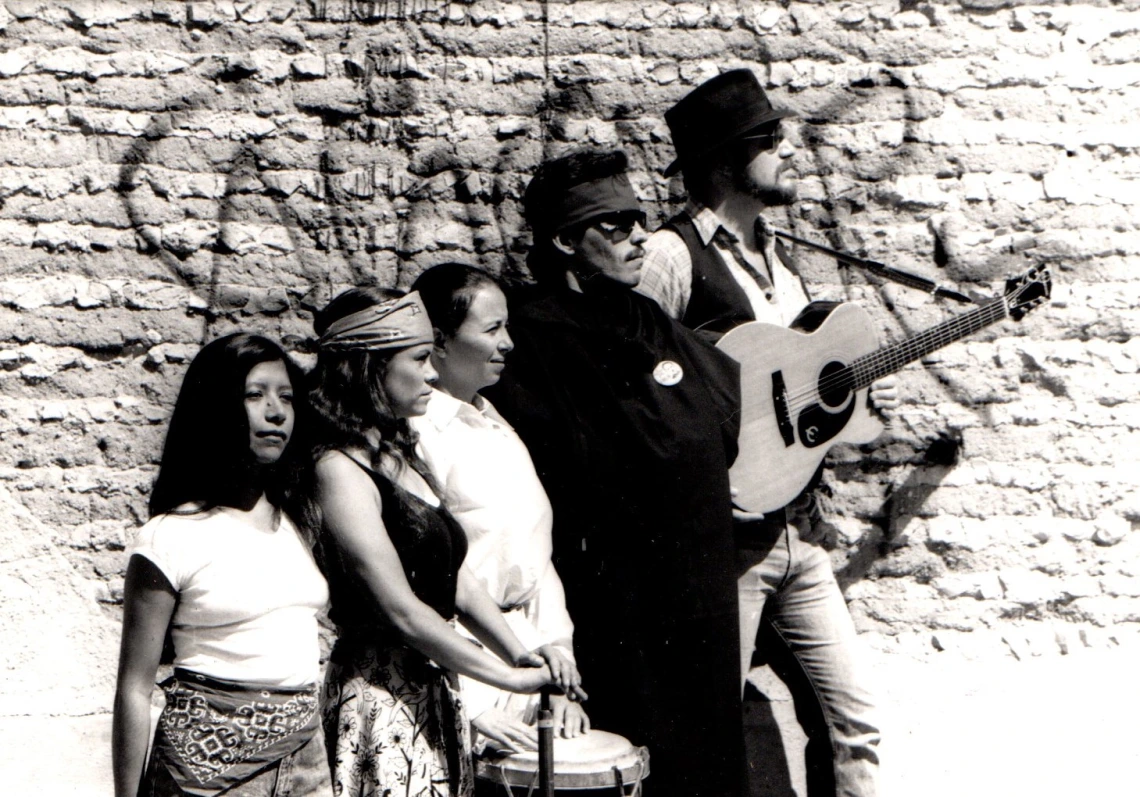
[{"x": 582, "y": 767}]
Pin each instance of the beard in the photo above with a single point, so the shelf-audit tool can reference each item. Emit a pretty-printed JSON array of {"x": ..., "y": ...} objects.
[{"x": 776, "y": 194}]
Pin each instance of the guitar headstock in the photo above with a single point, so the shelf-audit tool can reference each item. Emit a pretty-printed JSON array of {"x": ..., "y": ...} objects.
[{"x": 1029, "y": 290}]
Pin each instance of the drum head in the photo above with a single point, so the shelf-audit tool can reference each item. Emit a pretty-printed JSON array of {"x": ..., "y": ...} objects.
[{"x": 584, "y": 762}]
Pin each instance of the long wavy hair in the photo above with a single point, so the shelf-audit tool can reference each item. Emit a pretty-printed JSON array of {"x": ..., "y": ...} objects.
[
  {"x": 347, "y": 400},
  {"x": 206, "y": 459}
]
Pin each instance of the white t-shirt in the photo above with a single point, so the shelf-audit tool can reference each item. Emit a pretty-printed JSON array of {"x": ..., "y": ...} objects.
[{"x": 248, "y": 599}]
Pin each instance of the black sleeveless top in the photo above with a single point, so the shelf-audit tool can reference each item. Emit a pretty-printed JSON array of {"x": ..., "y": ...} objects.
[{"x": 431, "y": 545}]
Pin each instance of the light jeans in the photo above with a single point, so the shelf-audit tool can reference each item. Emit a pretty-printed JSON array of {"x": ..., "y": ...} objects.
[{"x": 792, "y": 579}]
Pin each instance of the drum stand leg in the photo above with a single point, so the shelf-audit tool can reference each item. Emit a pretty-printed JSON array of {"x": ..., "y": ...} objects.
[
  {"x": 507, "y": 785},
  {"x": 545, "y": 746}
]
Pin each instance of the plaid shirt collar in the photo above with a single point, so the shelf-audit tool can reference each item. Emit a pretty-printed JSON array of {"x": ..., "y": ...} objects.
[
  {"x": 707, "y": 225},
  {"x": 705, "y": 221}
]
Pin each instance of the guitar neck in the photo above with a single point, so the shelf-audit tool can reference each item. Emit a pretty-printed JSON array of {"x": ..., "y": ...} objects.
[{"x": 891, "y": 359}]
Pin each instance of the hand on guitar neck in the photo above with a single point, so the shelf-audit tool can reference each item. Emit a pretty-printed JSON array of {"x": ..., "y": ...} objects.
[
  {"x": 884, "y": 396},
  {"x": 802, "y": 393}
]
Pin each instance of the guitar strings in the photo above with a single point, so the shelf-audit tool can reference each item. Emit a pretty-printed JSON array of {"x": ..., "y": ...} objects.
[
  {"x": 852, "y": 376},
  {"x": 888, "y": 359},
  {"x": 855, "y": 376}
]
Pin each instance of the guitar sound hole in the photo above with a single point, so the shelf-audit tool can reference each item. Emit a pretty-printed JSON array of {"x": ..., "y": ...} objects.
[{"x": 835, "y": 384}]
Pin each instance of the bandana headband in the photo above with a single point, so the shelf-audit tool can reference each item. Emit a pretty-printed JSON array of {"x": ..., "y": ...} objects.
[
  {"x": 398, "y": 323},
  {"x": 585, "y": 201}
]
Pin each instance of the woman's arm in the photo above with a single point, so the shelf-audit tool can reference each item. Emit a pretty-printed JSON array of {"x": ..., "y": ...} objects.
[
  {"x": 351, "y": 508},
  {"x": 148, "y": 605},
  {"x": 553, "y": 623},
  {"x": 484, "y": 619}
]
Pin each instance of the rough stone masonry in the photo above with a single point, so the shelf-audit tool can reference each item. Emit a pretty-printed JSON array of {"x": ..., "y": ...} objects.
[{"x": 172, "y": 171}]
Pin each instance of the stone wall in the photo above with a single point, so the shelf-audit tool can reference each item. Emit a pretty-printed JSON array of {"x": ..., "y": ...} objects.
[{"x": 172, "y": 171}]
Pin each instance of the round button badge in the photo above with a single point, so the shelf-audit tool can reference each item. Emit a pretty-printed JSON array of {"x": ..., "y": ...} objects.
[{"x": 667, "y": 373}]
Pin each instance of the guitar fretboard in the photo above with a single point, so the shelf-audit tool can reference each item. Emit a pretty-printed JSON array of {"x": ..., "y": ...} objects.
[{"x": 891, "y": 359}]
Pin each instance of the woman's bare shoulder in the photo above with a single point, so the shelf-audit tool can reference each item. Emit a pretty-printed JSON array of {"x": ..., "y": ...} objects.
[
  {"x": 339, "y": 471},
  {"x": 338, "y": 464}
]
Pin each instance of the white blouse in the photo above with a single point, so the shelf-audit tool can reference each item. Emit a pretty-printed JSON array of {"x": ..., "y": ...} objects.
[{"x": 489, "y": 484}]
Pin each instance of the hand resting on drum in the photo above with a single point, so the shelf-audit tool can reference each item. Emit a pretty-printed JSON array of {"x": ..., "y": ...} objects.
[
  {"x": 563, "y": 671},
  {"x": 505, "y": 732},
  {"x": 570, "y": 718},
  {"x": 510, "y": 734}
]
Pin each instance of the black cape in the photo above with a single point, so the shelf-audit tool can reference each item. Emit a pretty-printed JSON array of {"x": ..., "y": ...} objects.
[{"x": 637, "y": 472}]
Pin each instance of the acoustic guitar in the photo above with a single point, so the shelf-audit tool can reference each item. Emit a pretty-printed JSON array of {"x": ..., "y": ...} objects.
[{"x": 802, "y": 393}]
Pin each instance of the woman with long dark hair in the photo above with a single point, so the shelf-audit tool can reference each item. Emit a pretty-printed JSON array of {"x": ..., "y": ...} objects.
[
  {"x": 394, "y": 555},
  {"x": 489, "y": 483},
  {"x": 224, "y": 570}
]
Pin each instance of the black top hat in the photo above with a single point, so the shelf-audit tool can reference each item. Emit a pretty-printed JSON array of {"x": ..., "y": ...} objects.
[{"x": 716, "y": 112}]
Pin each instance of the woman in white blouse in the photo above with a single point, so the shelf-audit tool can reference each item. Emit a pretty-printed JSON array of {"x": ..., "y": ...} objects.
[{"x": 490, "y": 486}]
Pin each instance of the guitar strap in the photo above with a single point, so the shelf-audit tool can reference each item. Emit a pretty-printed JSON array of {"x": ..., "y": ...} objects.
[
  {"x": 728, "y": 239},
  {"x": 887, "y": 272}
]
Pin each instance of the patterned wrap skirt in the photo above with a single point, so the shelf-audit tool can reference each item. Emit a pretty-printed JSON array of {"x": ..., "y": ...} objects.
[
  {"x": 394, "y": 724},
  {"x": 218, "y": 737}
]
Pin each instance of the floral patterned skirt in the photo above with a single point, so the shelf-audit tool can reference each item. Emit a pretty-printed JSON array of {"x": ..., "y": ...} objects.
[{"x": 394, "y": 725}]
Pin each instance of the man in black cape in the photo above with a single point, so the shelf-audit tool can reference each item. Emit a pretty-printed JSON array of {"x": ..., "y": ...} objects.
[{"x": 631, "y": 420}]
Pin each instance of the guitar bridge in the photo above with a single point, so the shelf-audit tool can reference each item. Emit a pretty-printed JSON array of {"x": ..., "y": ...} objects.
[{"x": 780, "y": 402}]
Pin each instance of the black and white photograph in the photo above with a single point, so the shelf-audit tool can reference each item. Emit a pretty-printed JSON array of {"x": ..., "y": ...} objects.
[{"x": 656, "y": 398}]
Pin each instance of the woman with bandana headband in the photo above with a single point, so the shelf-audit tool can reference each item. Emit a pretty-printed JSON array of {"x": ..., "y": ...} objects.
[{"x": 394, "y": 559}]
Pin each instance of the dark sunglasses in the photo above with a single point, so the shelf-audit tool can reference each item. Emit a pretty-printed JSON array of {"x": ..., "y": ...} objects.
[
  {"x": 770, "y": 140},
  {"x": 618, "y": 228}
]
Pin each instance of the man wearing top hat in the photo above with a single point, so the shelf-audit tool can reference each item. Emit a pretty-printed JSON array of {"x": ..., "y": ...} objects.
[
  {"x": 714, "y": 266},
  {"x": 631, "y": 420}
]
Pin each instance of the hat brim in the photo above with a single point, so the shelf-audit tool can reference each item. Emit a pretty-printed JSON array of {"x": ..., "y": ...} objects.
[{"x": 679, "y": 163}]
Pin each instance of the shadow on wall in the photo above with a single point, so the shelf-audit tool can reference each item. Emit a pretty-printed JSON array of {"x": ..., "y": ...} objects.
[
  {"x": 369, "y": 206},
  {"x": 235, "y": 259},
  {"x": 372, "y": 203},
  {"x": 842, "y": 200}
]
